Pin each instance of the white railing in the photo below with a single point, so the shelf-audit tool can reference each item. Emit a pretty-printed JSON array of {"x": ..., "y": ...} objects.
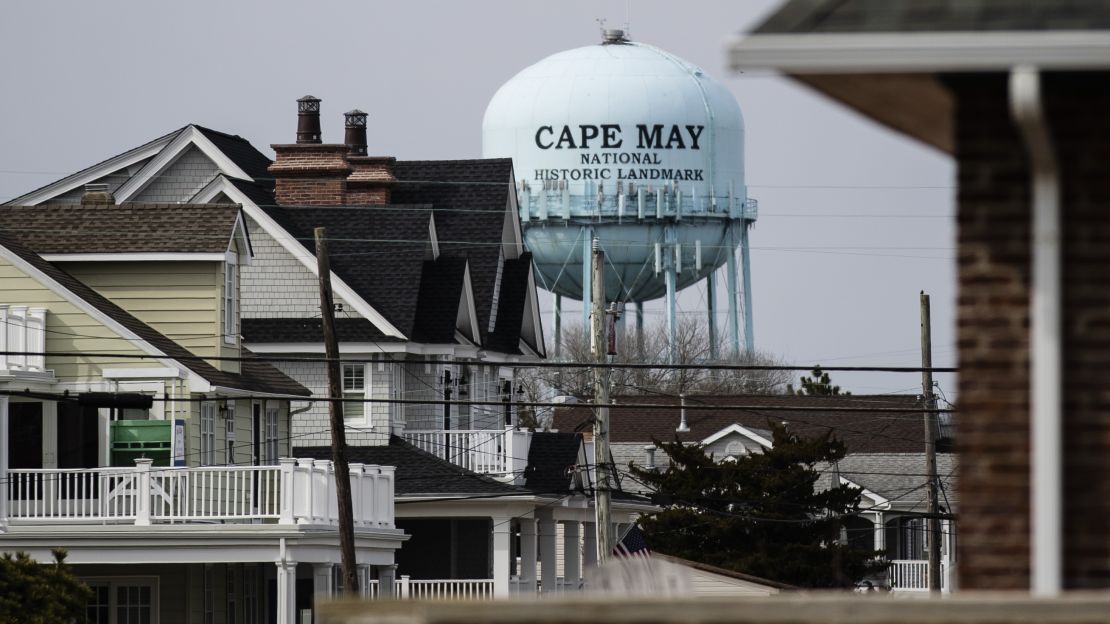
[
  {"x": 444, "y": 589},
  {"x": 297, "y": 491},
  {"x": 502, "y": 453},
  {"x": 913, "y": 575},
  {"x": 22, "y": 328}
]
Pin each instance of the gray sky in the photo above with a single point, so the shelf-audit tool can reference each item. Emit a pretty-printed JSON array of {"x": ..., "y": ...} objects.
[{"x": 854, "y": 219}]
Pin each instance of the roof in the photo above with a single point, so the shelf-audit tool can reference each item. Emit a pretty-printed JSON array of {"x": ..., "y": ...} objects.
[
  {"x": 705, "y": 567},
  {"x": 470, "y": 198},
  {"x": 311, "y": 330},
  {"x": 510, "y": 305},
  {"x": 551, "y": 455},
  {"x": 253, "y": 162},
  {"x": 258, "y": 376},
  {"x": 861, "y": 432},
  {"x": 437, "y": 303},
  {"x": 126, "y": 228},
  {"x": 419, "y": 473},
  {"x": 898, "y": 477},
  {"x": 839, "y": 16}
]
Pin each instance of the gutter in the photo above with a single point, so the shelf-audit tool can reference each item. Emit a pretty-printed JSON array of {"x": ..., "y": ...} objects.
[{"x": 1046, "y": 347}]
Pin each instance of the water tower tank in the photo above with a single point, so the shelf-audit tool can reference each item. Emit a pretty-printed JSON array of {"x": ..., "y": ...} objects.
[{"x": 628, "y": 144}]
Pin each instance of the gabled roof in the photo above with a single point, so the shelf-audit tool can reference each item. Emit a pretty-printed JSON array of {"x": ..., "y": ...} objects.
[
  {"x": 240, "y": 151},
  {"x": 437, "y": 304},
  {"x": 257, "y": 377},
  {"x": 862, "y": 432},
  {"x": 899, "y": 478},
  {"x": 515, "y": 282},
  {"x": 127, "y": 228},
  {"x": 419, "y": 473}
]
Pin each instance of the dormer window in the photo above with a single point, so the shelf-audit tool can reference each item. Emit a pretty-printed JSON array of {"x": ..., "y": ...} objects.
[{"x": 231, "y": 299}]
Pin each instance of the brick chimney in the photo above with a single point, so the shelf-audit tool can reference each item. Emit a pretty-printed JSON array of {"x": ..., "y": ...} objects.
[
  {"x": 309, "y": 172},
  {"x": 371, "y": 176}
]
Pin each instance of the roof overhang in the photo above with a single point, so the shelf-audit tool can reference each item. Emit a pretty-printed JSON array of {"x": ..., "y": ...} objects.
[{"x": 893, "y": 77}]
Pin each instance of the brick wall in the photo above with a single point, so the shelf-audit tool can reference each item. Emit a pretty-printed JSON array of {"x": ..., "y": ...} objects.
[{"x": 994, "y": 239}]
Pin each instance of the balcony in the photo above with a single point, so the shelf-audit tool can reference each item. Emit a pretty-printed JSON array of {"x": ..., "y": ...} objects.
[
  {"x": 912, "y": 575},
  {"x": 22, "y": 328},
  {"x": 295, "y": 492},
  {"x": 502, "y": 454}
]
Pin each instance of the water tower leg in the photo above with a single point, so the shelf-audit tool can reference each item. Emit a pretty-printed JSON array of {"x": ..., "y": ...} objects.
[
  {"x": 557, "y": 323},
  {"x": 733, "y": 295},
  {"x": 711, "y": 305},
  {"x": 749, "y": 330},
  {"x": 671, "y": 277},
  {"x": 587, "y": 279},
  {"x": 640, "y": 327}
]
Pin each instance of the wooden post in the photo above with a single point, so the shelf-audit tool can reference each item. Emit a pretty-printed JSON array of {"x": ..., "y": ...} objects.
[
  {"x": 602, "y": 461},
  {"x": 932, "y": 522},
  {"x": 335, "y": 412}
]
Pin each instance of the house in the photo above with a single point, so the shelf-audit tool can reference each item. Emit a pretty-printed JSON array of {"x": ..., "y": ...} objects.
[
  {"x": 1016, "y": 93},
  {"x": 885, "y": 458},
  {"x": 137, "y": 432},
  {"x": 436, "y": 304}
]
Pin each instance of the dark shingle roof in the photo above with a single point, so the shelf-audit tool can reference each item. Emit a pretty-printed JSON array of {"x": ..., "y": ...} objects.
[
  {"x": 261, "y": 193},
  {"x": 240, "y": 151},
  {"x": 418, "y": 473},
  {"x": 510, "y": 307},
  {"x": 551, "y": 457},
  {"x": 126, "y": 228},
  {"x": 257, "y": 377},
  {"x": 897, "y": 477},
  {"x": 875, "y": 16},
  {"x": 437, "y": 306},
  {"x": 377, "y": 250},
  {"x": 310, "y": 330},
  {"x": 862, "y": 432},
  {"x": 470, "y": 198}
]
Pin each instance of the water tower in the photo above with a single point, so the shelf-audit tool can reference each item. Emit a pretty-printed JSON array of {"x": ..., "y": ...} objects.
[{"x": 628, "y": 144}]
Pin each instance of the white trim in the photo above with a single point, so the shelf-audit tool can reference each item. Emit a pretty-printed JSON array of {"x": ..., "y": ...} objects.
[
  {"x": 533, "y": 303},
  {"x": 140, "y": 373},
  {"x": 191, "y": 136},
  {"x": 239, "y": 232},
  {"x": 467, "y": 302},
  {"x": 229, "y": 300},
  {"x": 738, "y": 429},
  {"x": 878, "y": 501},
  {"x": 81, "y": 178},
  {"x": 298, "y": 251},
  {"x": 925, "y": 52},
  {"x": 433, "y": 235},
  {"x": 215, "y": 256},
  {"x": 201, "y": 384}
]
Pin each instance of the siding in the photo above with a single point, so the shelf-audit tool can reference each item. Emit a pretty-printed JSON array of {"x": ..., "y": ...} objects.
[
  {"x": 312, "y": 427},
  {"x": 114, "y": 180},
  {"x": 181, "y": 180}
]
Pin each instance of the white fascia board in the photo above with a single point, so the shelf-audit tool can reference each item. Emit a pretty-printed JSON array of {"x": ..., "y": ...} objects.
[
  {"x": 102, "y": 318},
  {"x": 740, "y": 430},
  {"x": 134, "y": 257},
  {"x": 876, "y": 500},
  {"x": 468, "y": 303},
  {"x": 190, "y": 136},
  {"x": 513, "y": 233},
  {"x": 81, "y": 178},
  {"x": 308, "y": 260},
  {"x": 921, "y": 52},
  {"x": 533, "y": 304},
  {"x": 239, "y": 232},
  {"x": 140, "y": 373},
  {"x": 433, "y": 235}
]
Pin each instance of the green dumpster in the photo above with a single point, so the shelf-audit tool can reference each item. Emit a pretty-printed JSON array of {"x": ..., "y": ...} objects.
[{"x": 135, "y": 439}]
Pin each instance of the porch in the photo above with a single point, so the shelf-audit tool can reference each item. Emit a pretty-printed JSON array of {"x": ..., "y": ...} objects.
[{"x": 499, "y": 453}]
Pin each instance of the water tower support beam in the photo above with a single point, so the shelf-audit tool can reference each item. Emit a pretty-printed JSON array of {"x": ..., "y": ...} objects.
[
  {"x": 587, "y": 277},
  {"x": 711, "y": 305},
  {"x": 557, "y": 323},
  {"x": 733, "y": 295},
  {"x": 671, "y": 277},
  {"x": 745, "y": 257},
  {"x": 640, "y": 326}
]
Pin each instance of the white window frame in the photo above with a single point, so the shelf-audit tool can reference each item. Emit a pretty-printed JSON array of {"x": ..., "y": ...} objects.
[
  {"x": 231, "y": 299},
  {"x": 208, "y": 433},
  {"x": 366, "y": 417},
  {"x": 114, "y": 583},
  {"x": 229, "y": 435},
  {"x": 270, "y": 435}
]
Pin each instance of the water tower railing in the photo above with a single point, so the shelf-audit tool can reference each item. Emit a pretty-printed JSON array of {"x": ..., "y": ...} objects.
[{"x": 547, "y": 204}]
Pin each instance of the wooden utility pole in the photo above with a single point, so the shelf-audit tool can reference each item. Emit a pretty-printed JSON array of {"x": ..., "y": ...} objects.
[
  {"x": 335, "y": 413},
  {"x": 932, "y": 532},
  {"x": 602, "y": 463}
]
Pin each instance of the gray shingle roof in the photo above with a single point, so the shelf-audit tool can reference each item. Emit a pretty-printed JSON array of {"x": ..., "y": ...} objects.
[
  {"x": 897, "y": 477},
  {"x": 874, "y": 16},
  {"x": 310, "y": 330},
  {"x": 126, "y": 228}
]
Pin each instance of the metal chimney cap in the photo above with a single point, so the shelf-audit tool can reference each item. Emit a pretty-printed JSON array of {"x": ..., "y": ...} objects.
[
  {"x": 613, "y": 35},
  {"x": 308, "y": 104},
  {"x": 355, "y": 117}
]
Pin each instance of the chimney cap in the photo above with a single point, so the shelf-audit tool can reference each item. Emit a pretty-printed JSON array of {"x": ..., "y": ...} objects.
[
  {"x": 355, "y": 117},
  {"x": 308, "y": 104}
]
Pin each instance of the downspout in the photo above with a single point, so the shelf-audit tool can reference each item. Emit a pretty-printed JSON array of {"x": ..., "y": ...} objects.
[{"x": 1046, "y": 356}]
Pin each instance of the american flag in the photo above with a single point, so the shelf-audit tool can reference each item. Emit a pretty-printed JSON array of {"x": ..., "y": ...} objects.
[{"x": 632, "y": 544}]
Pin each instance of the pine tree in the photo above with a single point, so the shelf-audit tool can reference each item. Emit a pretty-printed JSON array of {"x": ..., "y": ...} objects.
[
  {"x": 760, "y": 514},
  {"x": 818, "y": 385},
  {"x": 33, "y": 593}
]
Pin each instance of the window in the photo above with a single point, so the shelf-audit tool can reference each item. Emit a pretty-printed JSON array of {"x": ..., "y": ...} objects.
[
  {"x": 229, "y": 435},
  {"x": 270, "y": 431},
  {"x": 122, "y": 601},
  {"x": 250, "y": 597},
  {"x": 208, "y": 433},
  {"x": 354, "y": 387},
  {"x": 231, "y": 299}
]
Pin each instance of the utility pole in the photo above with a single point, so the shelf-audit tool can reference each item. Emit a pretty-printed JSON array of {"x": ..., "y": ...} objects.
[
  {"x": 335, "y": 413},
  {"x": 599, "y": 348},
  {"x": 932, "y": 533}
]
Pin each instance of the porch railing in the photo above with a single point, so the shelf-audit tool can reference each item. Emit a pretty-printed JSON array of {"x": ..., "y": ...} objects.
[
  {"x": 501, "y": 453},
  {"x": 913, "y": 575},
  {"x": 444, "y": 589},
  {"x": 297, "y": 491}
]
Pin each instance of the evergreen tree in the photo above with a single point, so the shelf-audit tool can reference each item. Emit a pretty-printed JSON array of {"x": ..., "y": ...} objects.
[
  {"x": 33, "y": 593},
  {"x": 760, "y": 514},
  {"x": 818, "y": 385}
]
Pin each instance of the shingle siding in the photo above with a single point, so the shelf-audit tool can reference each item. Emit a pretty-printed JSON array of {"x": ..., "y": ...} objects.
[{"x": 181, "y": 180}]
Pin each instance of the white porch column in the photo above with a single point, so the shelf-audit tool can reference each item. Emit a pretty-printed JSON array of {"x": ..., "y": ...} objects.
[
  {"x": 549, "y": 563},
  {"x": 880, "y": 534},
  {"x": 142, "y": 495},
  {"x": 3, "y": 460},
  {"x": 501, "y": 553},
  {"x": 572, "y": 569},
  {"x": 286, "y": 592},
  {"x": 528, "y": 554},
  {"x": 363, "y": 579},
  {"x": 387, "y": 579},
  {"x": 322, "y": 576},
  {"x": 589, "y": 544}
]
